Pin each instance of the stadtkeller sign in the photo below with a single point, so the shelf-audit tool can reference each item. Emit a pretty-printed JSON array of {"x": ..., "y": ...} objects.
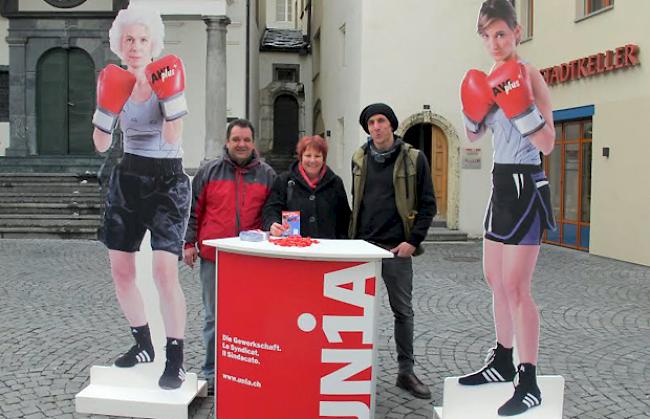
[{"x": 592, "y": 65}]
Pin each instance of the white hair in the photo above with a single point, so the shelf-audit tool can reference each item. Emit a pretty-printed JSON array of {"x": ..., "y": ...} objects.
[{"x": 137, "y": 15}]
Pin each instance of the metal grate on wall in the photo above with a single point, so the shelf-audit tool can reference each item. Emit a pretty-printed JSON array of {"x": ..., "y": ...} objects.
[{"x": 4, "y": 94}]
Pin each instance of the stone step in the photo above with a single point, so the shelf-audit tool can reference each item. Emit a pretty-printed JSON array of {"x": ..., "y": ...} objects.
[
  {"x": 56, "y": 164},
  {"x": 46, "y": 174},
  {"x": 46, "y": 204},
  {"x": 78, "y": 169},
  {"x": 86, "y": 233},
  {"x": 440, "y": 234},
  {"x": 49, "y": 208},
  {"x": 46, "y": 178},
  {"x": 49, "y": 222},
  {"x": 52, "y": 199},
  {"x": 439, "y": 222},
  {"x": 36, "y": 189},
  {"x": 48, "y": 193},
  {"x": 52, "y": 216}
]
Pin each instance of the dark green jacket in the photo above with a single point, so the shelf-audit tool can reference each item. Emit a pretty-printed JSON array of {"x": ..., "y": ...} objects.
[{"x": 414, "y": 196}]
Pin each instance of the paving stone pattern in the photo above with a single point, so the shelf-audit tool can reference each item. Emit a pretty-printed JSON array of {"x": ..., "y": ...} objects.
[{"x": 59, "y": 316}]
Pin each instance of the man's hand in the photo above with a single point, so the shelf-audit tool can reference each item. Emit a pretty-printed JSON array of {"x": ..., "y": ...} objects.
[
  {"x": 190, "y": 254},
  {"x": 403, "y": 250}
]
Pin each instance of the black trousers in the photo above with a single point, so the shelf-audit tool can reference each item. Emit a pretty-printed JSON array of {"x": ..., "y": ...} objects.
[{"x": 398, "y": 277}]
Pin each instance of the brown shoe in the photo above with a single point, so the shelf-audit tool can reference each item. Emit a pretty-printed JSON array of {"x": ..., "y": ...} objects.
[{"x": 413, "y": 385}]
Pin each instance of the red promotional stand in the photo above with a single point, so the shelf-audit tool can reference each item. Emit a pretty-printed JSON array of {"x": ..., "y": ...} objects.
[{"x": 296, "y": 329}]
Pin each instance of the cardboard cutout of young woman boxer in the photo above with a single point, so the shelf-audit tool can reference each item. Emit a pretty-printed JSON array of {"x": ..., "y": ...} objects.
[
  {"x": 148, "y": 189},
  {"x": 513, "y": 101}
]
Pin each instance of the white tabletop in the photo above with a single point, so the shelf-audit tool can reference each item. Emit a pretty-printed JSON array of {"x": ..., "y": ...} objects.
[{"x": 344, "y": 250}]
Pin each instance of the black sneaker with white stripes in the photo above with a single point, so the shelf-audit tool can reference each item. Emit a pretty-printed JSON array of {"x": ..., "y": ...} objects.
[
  {"x": 498, "y": 368},
  {"x": 141, "y": 352},
  {"x": 174, "y": 373},
  {"x": 135, "y": 355},
  {"x": 527, "y": 394}
]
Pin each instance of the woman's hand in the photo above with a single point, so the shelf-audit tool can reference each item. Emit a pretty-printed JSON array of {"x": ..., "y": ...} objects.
[{"x": 277, "y": 229}]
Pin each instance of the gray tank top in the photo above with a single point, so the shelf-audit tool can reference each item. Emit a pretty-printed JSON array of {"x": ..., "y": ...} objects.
[
  {"x": 510, "y": 147},
  {"x": 141, "y": 123}
]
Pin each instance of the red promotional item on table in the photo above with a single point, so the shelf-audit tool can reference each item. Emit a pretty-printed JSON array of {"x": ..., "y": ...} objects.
[{"x": 294, "y": 241}]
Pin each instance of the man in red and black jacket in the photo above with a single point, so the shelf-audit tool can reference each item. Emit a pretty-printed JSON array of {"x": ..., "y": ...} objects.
[{"x": 228, "y": 194}]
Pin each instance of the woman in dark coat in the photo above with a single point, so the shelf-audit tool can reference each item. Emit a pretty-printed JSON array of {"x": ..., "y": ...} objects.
[{"x": 313, "y": 189}]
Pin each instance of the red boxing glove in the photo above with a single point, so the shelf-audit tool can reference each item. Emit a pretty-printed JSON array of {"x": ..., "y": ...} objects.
[
  {"x": 167, "y": 79},
  {"x": 114, "y": 86},
  {"x": 476, "y": 97},
  {"x": 512, "y": 92}
]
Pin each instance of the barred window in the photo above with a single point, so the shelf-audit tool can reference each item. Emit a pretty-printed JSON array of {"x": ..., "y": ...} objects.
[
  {"x": 286, "y": 73},
  {"x": 4, "y": 93}
]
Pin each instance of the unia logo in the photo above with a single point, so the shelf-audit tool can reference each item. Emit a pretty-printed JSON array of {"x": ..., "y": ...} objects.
[
  {"x": 505, "y": 87},
  {"x": 162, "y": 73},
  {"x": 354, "y": 286}
]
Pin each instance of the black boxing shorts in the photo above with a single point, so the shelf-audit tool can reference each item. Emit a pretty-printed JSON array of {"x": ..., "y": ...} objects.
[
  {"x": 519, "y": 209},
  {"x": 146, "y": 194}
]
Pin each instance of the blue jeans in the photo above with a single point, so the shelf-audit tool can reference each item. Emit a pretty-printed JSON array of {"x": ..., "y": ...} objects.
[
  {"x": 398, "y": 277},
  {"x": 208, "y": 277}
]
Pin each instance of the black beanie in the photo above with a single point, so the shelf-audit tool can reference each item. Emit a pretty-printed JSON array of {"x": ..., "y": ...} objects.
[{"x": 374, "y": 109}]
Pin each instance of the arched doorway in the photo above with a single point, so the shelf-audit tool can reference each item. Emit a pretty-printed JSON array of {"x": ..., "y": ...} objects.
[
  {"x": 65, "y": 100},
  {"x": 431, "y": 140},
  {"x": 285, "y": 125}
]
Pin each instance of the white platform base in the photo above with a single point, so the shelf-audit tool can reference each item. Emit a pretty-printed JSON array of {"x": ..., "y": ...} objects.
[
  {"x": 482, "y": 402},
  {"x": 132, "y": 392}
]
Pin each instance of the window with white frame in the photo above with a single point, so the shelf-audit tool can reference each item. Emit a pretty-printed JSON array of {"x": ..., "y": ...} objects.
[
  {"x": 587, "y": 8},
  {"x": 283, "y": 10},
  {"x": 525, "y": 12},
  {"x": 592, "y": 6}
]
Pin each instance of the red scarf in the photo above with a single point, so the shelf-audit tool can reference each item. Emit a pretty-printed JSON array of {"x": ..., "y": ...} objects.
[{"x": 312, "y": 183}]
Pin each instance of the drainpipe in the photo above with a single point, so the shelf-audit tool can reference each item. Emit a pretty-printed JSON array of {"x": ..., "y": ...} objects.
[{"x": 248, "y": 57}]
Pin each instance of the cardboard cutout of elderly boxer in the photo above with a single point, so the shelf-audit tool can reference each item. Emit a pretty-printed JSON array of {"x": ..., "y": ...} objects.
[
  {"x": 148, "y": 190},
  {"x": 513, "y": 101}
]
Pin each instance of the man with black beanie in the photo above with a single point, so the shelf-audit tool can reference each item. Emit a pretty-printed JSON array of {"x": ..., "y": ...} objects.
[{"x": 393, "y": 204}]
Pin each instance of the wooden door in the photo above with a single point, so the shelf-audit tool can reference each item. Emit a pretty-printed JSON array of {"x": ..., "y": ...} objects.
[
  {"x": 81, "y": 102},
  {"x": 51, "y": 99},
  {"x": 65, "y": 100},
  {"x": 439, "y": 157},
  {"x": 285, "y": 125}
]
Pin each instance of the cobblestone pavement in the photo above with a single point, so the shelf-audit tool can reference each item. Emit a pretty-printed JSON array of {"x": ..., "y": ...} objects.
[{"x": 59, "y": 316}]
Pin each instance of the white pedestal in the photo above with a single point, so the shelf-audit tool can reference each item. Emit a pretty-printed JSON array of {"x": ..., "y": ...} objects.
[
  {"x": 134, "y": 391},
  {"x": 482, "y": 402},
  {"x": 296, "y": 307}
]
